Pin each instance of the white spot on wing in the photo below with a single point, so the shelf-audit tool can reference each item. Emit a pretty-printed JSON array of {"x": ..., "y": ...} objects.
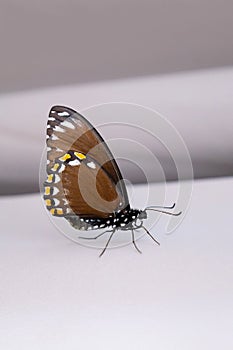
[
  {"x": 68, "y": 124},
  {"x": 56, "y": 179},
  {"x": 58, "y": 128},
  {"x": 91, "y": 165},
  {"x": 54, "y": 137},
  {"x": 65, "y": 201},
  {"x": 61, "y": 168},
  {"x": 55, "y": 190},
  {"x": 74, "y": 162},
  {"x": 56, "y": 202},
  {"x": 63, "y": 114}
]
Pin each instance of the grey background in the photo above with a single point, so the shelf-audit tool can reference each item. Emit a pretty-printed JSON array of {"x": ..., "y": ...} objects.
[
  {"x": 47, "y": 43},
  {"x": 198, "y": 104}
]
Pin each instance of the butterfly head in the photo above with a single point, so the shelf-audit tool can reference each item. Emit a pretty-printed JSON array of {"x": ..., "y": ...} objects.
[
  {"x": 129, "y": 219},
  {"x": 142, "y": 215},
  {"x": 134, "y": 217}
]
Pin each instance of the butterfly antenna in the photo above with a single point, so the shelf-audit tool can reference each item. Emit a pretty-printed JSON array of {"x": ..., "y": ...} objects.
[
  {"x": 150, "y": 235},
  {"x": 164, "y": 212},
  {"x": 162, "y": 207}
]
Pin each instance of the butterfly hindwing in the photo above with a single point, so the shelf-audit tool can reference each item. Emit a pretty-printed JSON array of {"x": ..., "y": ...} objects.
[{"x": 95, "y": 195}]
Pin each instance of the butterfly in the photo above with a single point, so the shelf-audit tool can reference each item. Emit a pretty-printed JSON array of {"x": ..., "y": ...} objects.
[{"x": 84, "y": 184}]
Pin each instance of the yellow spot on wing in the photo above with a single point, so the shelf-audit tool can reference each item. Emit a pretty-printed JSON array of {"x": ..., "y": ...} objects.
[
  {"x": 47, "y": 191},
  {"x": 56, "y": 211},
  {"x": 79, "y": 155},
  {"x": 55, "y": 167},
  {"x": 65, "y": 157},
  {"x": 59, "y": 211},
  {"x": 50, "y": 178},
  {"x": 48, "y": 202}
]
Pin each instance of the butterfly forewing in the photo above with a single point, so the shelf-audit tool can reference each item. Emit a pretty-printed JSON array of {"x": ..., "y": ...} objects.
[{"x": 88, "y": 180}]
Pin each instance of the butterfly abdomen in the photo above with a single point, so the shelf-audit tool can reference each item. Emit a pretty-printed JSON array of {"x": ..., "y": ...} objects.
[{"x": 121, "y": 220}]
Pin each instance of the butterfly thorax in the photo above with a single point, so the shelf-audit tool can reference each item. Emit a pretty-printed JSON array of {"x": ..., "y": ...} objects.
[{"x": 126, "y": 219}]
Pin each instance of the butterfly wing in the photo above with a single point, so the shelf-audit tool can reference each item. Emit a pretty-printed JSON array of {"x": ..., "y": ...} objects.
[{"x": 83, "y": 177}]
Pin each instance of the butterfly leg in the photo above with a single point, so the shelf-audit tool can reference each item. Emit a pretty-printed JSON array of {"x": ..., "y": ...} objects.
[
  {"x": 110, "y": 237},
  {"x": 149, "y": 234},
  {"x": 134, "y": 243},
  {"x": 101, "y": 234}
]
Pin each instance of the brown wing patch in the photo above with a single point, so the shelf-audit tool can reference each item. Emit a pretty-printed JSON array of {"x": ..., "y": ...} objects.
[{"x": 89, "y": 191}]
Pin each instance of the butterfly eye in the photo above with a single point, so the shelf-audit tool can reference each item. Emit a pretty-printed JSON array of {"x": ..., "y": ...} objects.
[{"x": 142, "y": 215}]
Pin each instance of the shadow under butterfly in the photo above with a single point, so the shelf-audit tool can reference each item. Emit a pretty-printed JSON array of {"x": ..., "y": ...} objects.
[{"x": 84, "y": 184}]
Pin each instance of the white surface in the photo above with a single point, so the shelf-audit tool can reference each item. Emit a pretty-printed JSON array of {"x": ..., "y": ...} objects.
[
  {"x": 58, "y": 295},
  {"x": 198, "y": 104}
]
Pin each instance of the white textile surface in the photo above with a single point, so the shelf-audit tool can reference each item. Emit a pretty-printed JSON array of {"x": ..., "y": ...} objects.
[{"x": 56, "y": 294}]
